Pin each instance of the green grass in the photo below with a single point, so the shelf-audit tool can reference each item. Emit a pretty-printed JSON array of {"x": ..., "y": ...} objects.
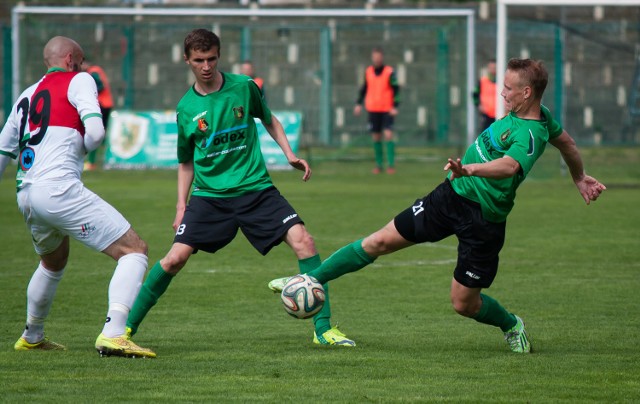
[{"x": 571, "y": 271}]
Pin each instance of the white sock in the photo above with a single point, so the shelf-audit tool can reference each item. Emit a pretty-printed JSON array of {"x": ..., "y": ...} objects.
[
  {"x": 40, "y": 293},
  {"x": 123, "y": 290}
]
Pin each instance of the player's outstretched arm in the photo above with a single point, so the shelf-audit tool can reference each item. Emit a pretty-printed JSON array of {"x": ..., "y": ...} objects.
[
  {"x": 589, "y": 187},
  {"x": 276, "y": 131},
  {"x": 499, "y": 168}
]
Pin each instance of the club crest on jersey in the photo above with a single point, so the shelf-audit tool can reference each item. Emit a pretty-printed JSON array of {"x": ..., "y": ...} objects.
[
  {"x": 505, "y": 135},
  {"x": 238, "y": 112},
  {"x": 202, "y": 125},
  {"x": 26, "y": 158}
]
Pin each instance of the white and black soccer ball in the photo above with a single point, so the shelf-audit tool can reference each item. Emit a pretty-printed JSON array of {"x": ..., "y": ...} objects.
[{"x": 302, "y": 296}]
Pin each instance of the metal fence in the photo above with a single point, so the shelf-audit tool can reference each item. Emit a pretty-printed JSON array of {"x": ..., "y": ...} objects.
[
  {"x": 312, "y": 65},
  {"x": 316, "y": 66}
]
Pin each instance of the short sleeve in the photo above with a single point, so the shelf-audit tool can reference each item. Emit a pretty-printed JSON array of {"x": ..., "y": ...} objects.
[
  {"x": 257, "y": 105},
  {"x": 526, "y": 148},
  {"x": 554, "y": 128},
  {"x": 185, "y": 141},
  {"x": 83, "y": 95}
]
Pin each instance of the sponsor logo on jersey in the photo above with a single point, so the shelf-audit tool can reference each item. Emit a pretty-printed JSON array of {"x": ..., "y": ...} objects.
[
  {"x": 472, "y": 275},
  {"x": 203, "y": 125},
  {"x": 238, "y": 112},
  {"x": 286, "y": 219},
  {"x": 479, "y": 150},
  {"x": 200, "y": 115},
  {"x": 230, "y": 135}
]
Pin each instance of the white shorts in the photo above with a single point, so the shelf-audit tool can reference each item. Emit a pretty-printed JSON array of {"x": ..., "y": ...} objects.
[{"x": 55, "y": 210}]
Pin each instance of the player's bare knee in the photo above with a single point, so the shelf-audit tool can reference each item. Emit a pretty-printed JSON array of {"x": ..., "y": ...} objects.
[
  {"x": 301, "y": 242},
  {"x": 462, "y": 308},
  {"x": 172, "y": 263},
  {"x": 54, "y": 265},
  {"x": 57, "y": 259},
  {"x": 134, "y": 244},
  {"x": 306, "y": 245},
  {"x": 141, "y": 247},
  {"x": 376, "y": 245}
]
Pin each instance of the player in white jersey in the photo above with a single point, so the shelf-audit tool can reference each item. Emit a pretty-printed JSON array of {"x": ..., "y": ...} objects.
[{"x": 54, "y": 123}]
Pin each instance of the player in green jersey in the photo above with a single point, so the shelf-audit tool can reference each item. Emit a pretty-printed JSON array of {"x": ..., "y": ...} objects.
[
  {"x": 474, "y": 200},
  {"x": 220, "y": 159}
]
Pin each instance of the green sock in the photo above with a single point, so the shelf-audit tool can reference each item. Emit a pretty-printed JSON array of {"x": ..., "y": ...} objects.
[
  {"x": 153, "y": 287},
  {"x": 322, "y": 320},
  {"x": 494, "y": 314},
  {"x": 377, "y": 150},
  {"x": 391, "y": 153},
  {"x": 349, "y": 258},
  {"x": 91, "y": 157}
]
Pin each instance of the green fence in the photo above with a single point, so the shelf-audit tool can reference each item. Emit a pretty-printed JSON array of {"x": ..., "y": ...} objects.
[
  {"x": 316, "y": 66},
  {"x": 309, "y": 65}
]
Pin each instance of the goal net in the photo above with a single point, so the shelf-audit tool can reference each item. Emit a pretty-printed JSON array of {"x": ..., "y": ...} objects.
[
  {"x": 311, "y": 60},
  {"x": 591, "y": 49}
]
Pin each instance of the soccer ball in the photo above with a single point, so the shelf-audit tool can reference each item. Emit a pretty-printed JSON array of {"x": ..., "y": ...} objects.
[{"x": 302, "y": 296}]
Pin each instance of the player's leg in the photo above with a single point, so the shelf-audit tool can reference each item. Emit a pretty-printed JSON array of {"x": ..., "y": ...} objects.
[
  {"x": 389, "y": 143},
  {"x": 375, "y": 127},
  {"x": 419, "y": 223},
  {"x": 469, "y": 302},
  {"x": 40, "y": 294},
  {"x": 361, "y": 253},
  {"x": 77, "y": 212},
  {"x": 206, "y": 225},
  {"x": 301, "y": 242},
  {"x": 479, "y": 246},
  {"x": 130, "y": 252},
  {"x": 53, "y": 248},
  {"x": 303, "y": 246},
  {"x": 156, "y": 283}
]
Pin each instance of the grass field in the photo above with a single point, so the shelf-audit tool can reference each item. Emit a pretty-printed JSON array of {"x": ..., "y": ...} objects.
[{"x": 571, "y": 271}]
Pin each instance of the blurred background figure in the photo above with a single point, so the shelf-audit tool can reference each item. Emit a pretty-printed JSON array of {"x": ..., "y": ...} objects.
[
  {"x": 379, "y": 92},
  {"x": 106, "y": 103},
  {"x": 247, "y": 69},
  {"x": 484, "y": 96}
]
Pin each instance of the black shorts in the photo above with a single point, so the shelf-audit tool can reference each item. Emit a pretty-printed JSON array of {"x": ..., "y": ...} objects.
[
  {"x": 443, "y": 213},
  {"x": 264, "y": 217},
  {"x": 379, "y": 121}
]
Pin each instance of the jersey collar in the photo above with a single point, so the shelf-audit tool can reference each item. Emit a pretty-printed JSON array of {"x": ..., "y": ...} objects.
[{"x": 55, "y": 69}]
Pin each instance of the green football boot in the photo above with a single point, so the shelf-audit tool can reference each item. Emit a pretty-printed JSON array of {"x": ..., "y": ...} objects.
[{"x": 517, "y": 338}]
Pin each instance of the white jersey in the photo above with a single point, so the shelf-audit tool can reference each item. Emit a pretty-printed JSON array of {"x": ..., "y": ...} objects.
[{"x": 45, "y": 127}]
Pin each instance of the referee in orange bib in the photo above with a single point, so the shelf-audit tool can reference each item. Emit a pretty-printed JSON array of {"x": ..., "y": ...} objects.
[{"x": 379, "y": 92}]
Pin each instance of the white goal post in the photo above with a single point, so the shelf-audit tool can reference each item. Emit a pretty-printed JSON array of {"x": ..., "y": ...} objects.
[
  {"x": 468, "y": 14},
  {"x": 501, "y": 34}
]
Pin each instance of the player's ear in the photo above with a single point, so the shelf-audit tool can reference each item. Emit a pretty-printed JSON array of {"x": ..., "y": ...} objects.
[{"x": 68, "y": 61}]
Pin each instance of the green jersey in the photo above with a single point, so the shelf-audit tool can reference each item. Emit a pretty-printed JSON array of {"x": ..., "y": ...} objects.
[
  {"x": 218, "y": 133},
  {"x": 522, "y": 139}
]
